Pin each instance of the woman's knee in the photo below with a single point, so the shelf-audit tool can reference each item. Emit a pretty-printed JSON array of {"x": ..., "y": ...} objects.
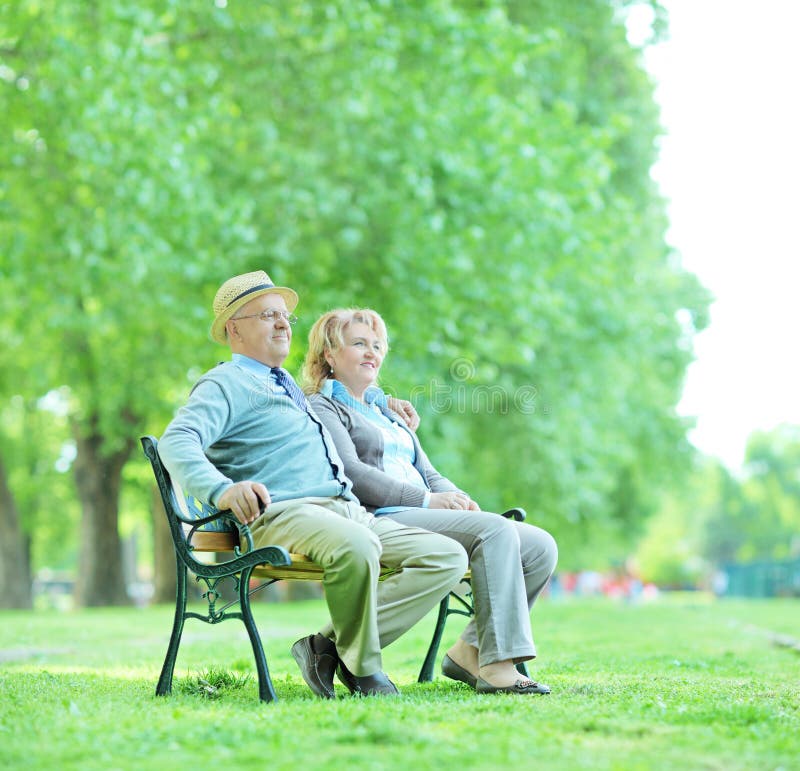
[
  {"x": 498, "y": 528},
  {"x": 539, "y": 548},
  {"x": 492, "y": 539}
]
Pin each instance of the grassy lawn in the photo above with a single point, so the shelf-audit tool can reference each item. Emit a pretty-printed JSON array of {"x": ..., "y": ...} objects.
[{"x": 684, "y": 682}]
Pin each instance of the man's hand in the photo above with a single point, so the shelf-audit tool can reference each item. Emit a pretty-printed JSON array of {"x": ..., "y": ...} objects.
[
  {"x": 405, "y": 410},
  {"x": 457, "y": 500},
  {"x": 244, "y": 499}
]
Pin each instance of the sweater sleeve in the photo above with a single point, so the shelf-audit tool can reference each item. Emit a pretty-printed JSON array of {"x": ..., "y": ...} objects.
[
  {"x": 372, "y": 486},
  {"x": 196, "y": 426}
]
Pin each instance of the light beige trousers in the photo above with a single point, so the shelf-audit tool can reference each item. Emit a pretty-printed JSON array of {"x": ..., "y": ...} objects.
[
  {"x": 510, "y": 561},
  {"x": 352, "y": 545}
]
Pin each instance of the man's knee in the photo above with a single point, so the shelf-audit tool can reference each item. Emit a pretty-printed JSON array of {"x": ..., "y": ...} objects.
[
  {"x": 448, "y": 554},
  {"x": 359, "y": 552}
]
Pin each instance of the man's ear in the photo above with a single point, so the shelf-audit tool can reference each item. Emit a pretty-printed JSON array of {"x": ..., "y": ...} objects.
[{"x": 232, "y": 330}]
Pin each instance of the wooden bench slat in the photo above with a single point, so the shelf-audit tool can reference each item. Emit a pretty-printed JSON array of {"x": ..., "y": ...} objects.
[
  {"x": 211, "y": 540},
  {"x": 301, "y": 569}
]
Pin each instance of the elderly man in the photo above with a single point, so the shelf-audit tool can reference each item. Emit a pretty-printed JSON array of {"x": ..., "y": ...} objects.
[{"x": 247, "y": 441}]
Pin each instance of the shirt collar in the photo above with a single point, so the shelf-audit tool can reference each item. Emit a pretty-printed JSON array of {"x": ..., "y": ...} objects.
[
  {"x": 252, "y": 365},
  {"x": 373, "y": 396}
]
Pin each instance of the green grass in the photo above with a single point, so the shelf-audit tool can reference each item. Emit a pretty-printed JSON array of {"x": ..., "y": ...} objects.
[{"x": 683, "y": 683}]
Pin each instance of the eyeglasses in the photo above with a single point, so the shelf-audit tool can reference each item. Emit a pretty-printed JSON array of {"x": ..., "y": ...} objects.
[{"x": 270, "y": 315}]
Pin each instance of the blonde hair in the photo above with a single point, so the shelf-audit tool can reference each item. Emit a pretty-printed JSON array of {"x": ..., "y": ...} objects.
[{"x": 327, "y": 334}]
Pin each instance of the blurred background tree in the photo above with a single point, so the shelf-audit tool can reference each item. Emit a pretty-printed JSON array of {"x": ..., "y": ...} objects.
[
  {"x": 716, "y": 518},
  {"x": 762, "y": 518},
  {"x": 478, "y": 172}
]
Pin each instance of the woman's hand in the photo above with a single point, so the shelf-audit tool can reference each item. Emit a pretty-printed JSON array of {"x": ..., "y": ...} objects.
[
  {"x": 405, "y": 410},
  {"x": 245, "y": 499},
  {"x": 454, "y": 500}
]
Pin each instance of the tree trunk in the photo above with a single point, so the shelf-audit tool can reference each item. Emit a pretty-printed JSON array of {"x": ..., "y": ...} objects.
[
  {"x": 164, "y": 581},
  {"x": 15, "y": 574},
  {"x": 98, "y": 477}
]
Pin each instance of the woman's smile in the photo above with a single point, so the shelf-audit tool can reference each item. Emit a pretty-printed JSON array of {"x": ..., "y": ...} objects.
[{"x": 362, "y": 350}]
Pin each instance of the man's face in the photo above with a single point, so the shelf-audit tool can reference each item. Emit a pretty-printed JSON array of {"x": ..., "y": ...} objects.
[{"x": 262, "y": 339}]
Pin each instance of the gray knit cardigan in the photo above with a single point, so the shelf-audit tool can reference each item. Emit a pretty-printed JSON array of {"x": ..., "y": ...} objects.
[{"x": 360, "y": 444}]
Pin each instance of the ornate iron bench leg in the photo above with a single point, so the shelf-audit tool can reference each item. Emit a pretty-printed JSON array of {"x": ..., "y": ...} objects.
[
  {"x": 164, "y": 686},
  {"x": 266, "y": 691},
  {"x": 426, "y": 673}
]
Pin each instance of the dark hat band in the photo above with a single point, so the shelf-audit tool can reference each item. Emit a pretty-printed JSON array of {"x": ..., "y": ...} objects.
[{"x": 249, "y": 291}]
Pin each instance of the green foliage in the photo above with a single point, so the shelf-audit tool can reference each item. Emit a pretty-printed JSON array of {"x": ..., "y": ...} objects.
[
  {"x": 671, "y": 551},
  {"x": 628, "y": 692},
  {"x": 759, "y": 516},
  {"x": 477, "y": 172},
  {"x": 719, "y": 518}
]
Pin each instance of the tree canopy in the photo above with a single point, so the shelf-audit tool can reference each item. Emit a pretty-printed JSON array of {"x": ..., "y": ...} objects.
[{"x": 478, "y": 172}]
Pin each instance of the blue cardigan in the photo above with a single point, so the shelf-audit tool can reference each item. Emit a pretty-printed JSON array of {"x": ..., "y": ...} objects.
[{"x": 239, "y": 424}]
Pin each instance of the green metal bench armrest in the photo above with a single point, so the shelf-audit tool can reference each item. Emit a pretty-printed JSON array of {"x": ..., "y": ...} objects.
[
  {"x": 275, "y": 556},
  {"x": 226, "y": 515}
]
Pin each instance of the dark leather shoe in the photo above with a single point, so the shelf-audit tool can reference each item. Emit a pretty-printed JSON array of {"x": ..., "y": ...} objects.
[
  {"x": 456, "y": 672},
  {"x": 521, "y": 687},
  {"x": 317, "y": 658},
  {"x": 366, "y": 685}
]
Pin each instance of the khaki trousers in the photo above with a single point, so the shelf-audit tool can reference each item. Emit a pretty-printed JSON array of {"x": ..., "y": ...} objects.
[{"x": 351, "y": 545}]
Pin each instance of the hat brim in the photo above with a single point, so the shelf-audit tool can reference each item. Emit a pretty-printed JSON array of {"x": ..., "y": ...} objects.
[{"x": 218, "y": 334}]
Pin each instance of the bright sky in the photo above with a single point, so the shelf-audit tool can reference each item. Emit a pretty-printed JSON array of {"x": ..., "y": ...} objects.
[{"x": 729, "y": 90}]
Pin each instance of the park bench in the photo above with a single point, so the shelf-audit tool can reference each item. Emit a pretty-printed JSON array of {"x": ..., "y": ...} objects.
[{"x": 191, "y": 536}]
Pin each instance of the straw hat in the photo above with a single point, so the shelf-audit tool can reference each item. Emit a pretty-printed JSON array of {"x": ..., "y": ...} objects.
[{"x": 238, "y": 291}]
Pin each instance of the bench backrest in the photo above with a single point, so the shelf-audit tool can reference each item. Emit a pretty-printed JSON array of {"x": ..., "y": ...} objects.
[{"x": 185, "y": 521}]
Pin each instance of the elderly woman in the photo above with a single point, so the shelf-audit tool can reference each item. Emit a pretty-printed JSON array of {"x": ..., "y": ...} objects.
[{"x": 510, "y": 561}]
